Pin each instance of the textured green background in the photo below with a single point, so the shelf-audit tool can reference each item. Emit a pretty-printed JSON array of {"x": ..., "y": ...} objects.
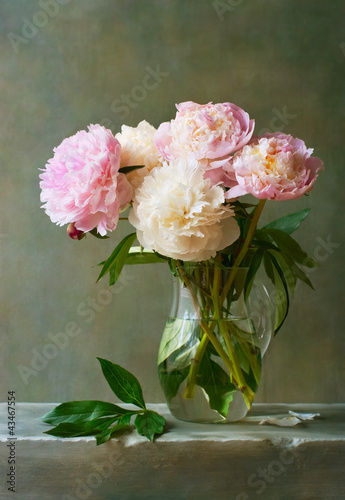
[{"x": 264, "y": 55}]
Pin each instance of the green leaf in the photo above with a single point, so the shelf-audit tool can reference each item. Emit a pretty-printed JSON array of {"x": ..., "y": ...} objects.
[
  {"x": 171, "y": 380},
  {"x": 240, "y": 209},
  {"x": 67, "y": 429},
  {"x": 252, "y": 378},
  {"x": 126, "y": 170},
  {"x": 71, "y": 429},
  {"x": 124, "y": 385},
  {"x": 281, "y": 299},
  {"x": 116, "y": 261},
  {"x": 216, "y": 382},
  {"x": 297, "y": 272},
  {"x": 86, "y": 418},
  {"x": 253, "y": 268},
  {"x": 137, "y": 256},
  {"x": 268, "y": 267},
  {"x": 243, "y": 224},
  {"x": 300, "y": 274},
  {"x": 95, "y": 233},
  {"x": 285, "y": 263},
  {"x": 149, "y": 424},
  {"x": 172, "y": 267},
  {"x": 122, "y": 423},
  {"x": 176, "y": 333},
  {"x": 263, "y": 244},
  {"x": 290, "y": 246},
  {"x": 81, "y": 411},
  {"x": 248, "y": 354},
  {"x": 239, "y": 282},
  {"x": 289, "y": 223}
]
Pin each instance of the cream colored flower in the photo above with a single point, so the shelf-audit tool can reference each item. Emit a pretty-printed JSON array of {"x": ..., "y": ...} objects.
[
  {"x": 179, "y": 214},
  {"x": 138, "y": 148}
]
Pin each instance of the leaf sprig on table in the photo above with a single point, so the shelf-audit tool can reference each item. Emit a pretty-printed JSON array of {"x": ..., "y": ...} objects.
[{"x": 102, "y": 419}]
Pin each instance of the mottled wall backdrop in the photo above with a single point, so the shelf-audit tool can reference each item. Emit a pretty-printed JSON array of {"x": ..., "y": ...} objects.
[{"x": 68, "y": 63}]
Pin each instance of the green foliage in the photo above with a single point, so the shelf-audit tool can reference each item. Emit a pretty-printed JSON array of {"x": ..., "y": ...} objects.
[
  {"x": 176, "y": 334},
  {"x": 125, "y": 254},
  {"x": 69, "y": 429},
  {"x": 126, "y": 170},
  {"x": 123, "y": 384},
  {"x": 283, "y": 257},
  {"x": 102, "y": 419},
  {"x": 253, "y": 268},
  {"x": 122, "y": 423},
  {"x": 240, "y": 209},
  {"x": 149, "y": 424},
  {"x": 289, "y": 223},
  {"x": 139, "y": 255},
  {"x": 290, "y": 247},
  {"x": 171, "y": 379},
  {"x": 216, "y": 382},
  {"x": 283, "y": 260},
  {"x": 281, "y": 299},
  {"x": 81, "y": 411},
  {"x": 97, "y": 235},
  {"x": 114, "y": 264}
]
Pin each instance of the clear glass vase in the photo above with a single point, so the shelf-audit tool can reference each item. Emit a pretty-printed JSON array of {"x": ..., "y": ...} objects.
[{"x": 210, "y": 354}]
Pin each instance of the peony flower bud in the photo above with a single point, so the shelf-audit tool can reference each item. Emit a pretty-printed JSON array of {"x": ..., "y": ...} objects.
[{"x": 74, "y": 233}]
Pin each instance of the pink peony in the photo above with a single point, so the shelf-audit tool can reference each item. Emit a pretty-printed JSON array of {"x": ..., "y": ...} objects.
[
  {"x": 82, "y": 185},
  {"x": 204, "y": 132},
  {"x": 275, "y": 167}
]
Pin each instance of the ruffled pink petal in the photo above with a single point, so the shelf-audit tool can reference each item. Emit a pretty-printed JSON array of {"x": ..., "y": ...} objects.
[
  {"x": 276, "y": 167},
  {"x": 81, "y": 184}
]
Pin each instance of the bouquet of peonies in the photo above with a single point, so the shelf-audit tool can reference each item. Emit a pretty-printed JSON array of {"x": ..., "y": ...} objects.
[{"x": 183, "y": 184}]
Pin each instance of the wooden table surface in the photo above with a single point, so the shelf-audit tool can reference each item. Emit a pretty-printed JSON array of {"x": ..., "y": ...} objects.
[{"x": 231, "y": 461}]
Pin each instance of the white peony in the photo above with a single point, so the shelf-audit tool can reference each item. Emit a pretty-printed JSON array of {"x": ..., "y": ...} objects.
[
  {"x": 138, "y": 148},
  {"x": 178, "y": 213}
]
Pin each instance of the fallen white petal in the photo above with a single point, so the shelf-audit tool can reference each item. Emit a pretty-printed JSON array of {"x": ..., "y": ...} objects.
[
  {"x": 282, "y": 422},
  {"x": 293, "y": 419},
  {"x": 304, "y": 416}
]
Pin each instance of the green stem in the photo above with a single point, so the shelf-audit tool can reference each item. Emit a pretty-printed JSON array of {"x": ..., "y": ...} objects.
[
  {"x": 230, "y": 360},
  {"x": 193, "y": 371},
  {"x": 249, "y": 236},
  {"x": 217, "y": 345},
  {"x": 247, "y": 351},
  {"x": 208, "y": 330},
  {"x": 194, "y": 367},
  {"x": 236, "y": 372},
  {"x": 185, "y": 278}
]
